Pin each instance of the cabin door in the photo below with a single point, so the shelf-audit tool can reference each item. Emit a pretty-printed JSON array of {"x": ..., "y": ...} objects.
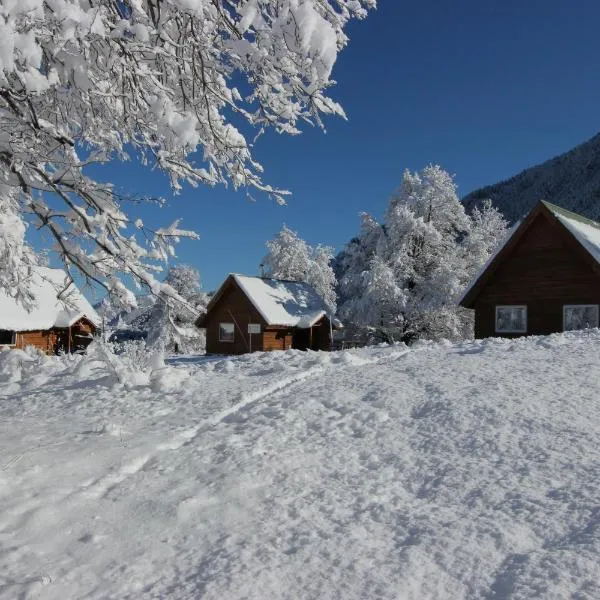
[
  {"x": 309, "y": 339},
  {"x": 301, "y": 339}
]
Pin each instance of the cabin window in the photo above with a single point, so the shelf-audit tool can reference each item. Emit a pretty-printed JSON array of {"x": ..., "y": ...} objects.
[
  {"x": 226, "y": 332},
  {"x": 580, "y": 316},
  {"x": 511, "y": 319},
  {"x": 7, "y": 338}
]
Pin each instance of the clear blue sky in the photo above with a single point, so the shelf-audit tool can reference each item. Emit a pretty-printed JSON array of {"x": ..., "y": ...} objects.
[{"x": 485, "y": 89}]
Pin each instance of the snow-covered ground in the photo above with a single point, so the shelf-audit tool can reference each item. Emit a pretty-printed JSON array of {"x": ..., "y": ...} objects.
[{"x": 446, "y": 471}]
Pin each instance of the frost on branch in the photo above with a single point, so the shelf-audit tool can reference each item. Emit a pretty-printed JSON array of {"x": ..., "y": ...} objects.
[
  {"x": 16, "y": 257},
  {"x": 402, "y": 278},
  {"x": 171, "y": 324},
  {"x": 290, "y": 257},
  {"x": 85, "y": 81}
]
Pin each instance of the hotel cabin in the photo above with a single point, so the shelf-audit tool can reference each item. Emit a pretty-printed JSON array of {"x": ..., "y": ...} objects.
[
  {"x": 249, "y": 314},
  {"x": 52, "y": 325},
  {"x": 544, "y": 279}
]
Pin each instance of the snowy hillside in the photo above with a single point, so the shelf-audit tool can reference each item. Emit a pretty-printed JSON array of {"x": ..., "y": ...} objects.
[
  {"x": 451, "y": 471},
  {"x": 571, "y": 180}
]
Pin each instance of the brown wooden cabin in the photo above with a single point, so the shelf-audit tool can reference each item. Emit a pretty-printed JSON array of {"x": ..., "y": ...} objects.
[
  {"x": 544, "y": 279},
  {"x": 51, "y": 325},
  {"x": 54, "y": 340},
  {"x": 280, "y": 314}
]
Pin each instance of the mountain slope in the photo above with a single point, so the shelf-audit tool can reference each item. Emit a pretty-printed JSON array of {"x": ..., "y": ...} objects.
[{"x": 571, "y": 180}]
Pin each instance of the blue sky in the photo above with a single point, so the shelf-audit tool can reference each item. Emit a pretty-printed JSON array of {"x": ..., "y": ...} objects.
[{"x": 485, "y": 89}]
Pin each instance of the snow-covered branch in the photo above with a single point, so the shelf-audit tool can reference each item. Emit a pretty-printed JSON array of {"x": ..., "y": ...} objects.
[{"x": 179, "y": 84}]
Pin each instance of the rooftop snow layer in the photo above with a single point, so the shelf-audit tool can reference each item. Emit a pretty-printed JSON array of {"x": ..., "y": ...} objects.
[
  {"x": 585, "y": 231},
  {"x": 50, "y": 312},
  {"x": 280, "y": 302}
]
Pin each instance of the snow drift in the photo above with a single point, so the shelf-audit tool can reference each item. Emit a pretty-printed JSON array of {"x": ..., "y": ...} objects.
[{"x": 464, "y": 470}]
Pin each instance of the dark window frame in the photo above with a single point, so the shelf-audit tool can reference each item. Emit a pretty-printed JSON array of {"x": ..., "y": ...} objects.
[
  {"x": 13, "y": 337},
  {"x": 510, "y": 306},
  {"x": 226, "y": 340}
]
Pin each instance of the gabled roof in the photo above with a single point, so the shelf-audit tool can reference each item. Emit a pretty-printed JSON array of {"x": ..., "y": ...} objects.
[
  {"x": 49, "y": 311},
  {"x": 278, "y": 301},
  {"x": 583, "y": 233}
]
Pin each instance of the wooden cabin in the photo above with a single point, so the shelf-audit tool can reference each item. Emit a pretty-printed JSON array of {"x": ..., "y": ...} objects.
[
  {"x": 249, "y": 314},
  {"x": 52, "y": 325},
  {"x": 544, "y": 279}
]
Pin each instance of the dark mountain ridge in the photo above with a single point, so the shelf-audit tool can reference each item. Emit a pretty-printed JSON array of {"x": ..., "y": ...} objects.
[{"x": 570, "y": 180}]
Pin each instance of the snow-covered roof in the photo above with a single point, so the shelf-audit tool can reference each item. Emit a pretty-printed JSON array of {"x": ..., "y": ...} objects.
[
  {"x": 280, "y": 302},
  {"x": 49, "y": 311},
  {"x": 585, "y": 231}
]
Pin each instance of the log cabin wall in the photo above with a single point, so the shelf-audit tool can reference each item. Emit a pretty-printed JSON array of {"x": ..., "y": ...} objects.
[
  {"x": 233, "y": 307},
  {"x": 52, "y": 341},
  {"x": 277, "y": 339},
  {"x": 43, "y": 340},
  {"x": 544, "y": 271}
]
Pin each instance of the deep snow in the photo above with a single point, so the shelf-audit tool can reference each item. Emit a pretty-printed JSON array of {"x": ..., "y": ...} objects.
[{"x": 447, "y": 471}]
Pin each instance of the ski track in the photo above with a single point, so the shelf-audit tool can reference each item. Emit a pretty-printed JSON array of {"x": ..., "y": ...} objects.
[{"x": 103, "y": 486}]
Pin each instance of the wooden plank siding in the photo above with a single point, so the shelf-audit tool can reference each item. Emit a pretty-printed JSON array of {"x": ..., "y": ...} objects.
[
  {"x": 52, "y": 341},
  {"x": 233, "y": 307},
  {"x": 277, "y": 339},
  {"x": 43, "y": 340},
  {"x": 544, "y": 271}
]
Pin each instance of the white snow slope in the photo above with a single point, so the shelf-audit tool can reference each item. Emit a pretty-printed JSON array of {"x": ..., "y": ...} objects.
[{"x": 448, "y": 471}]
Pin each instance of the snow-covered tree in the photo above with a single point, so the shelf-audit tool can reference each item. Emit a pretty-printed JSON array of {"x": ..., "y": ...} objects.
[
  {"x": 290, "y": 257},
  {"x": 403, "y": 277},
  {"x": 16, "y": 256},
  {"x": 488, "y": 230},
  {"x": 171, "y": 324},
  {"x": 354, "y": 261},
  {"x": 173, "y": 83}
]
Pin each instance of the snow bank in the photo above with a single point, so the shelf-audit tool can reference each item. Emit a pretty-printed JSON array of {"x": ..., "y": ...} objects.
[{"x": 444, "y": 471}]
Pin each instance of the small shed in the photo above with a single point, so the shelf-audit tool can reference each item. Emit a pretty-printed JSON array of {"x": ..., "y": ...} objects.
[
  {"x": 544, "y": 279},
  {"x": 67, "y": 324},
  {"x": 249, "y": 314}
]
